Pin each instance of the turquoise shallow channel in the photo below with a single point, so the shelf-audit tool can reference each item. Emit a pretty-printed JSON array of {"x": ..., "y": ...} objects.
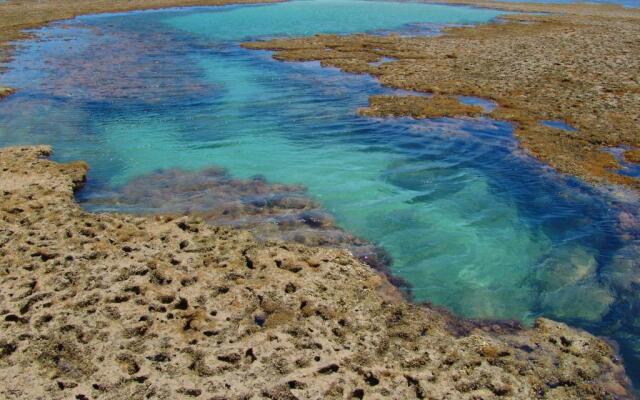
[{"x": 468, "y": 220}]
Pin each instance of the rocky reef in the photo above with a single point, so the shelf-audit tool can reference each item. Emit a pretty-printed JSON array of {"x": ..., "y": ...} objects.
[
  {"x": 270, "y": 211},
  {"x": 114, "y": 65},
  {"x": 109, "y": 306},
  {"x": 418, "y": 107},
  {"x": 632, "y": 156}
]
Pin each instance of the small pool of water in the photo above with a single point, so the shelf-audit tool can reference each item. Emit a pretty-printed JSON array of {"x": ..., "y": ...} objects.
[
  {"x": 558, "y": 125},
  {"x": 486, "y": 105},
  {"x": 467, "y": 219},
  {"x": 383, "y": 60}
]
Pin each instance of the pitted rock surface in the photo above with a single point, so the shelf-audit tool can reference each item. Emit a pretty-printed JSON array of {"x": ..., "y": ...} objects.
[{"x": 110, "y": 306}]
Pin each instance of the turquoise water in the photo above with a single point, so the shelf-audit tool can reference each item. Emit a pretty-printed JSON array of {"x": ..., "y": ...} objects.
[
  {"x": 307, "y": 17},
  {"x": 469, "y": 221}
]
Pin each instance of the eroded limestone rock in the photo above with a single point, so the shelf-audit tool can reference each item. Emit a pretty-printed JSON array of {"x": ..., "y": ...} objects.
[{"x": 108, "y": 306}]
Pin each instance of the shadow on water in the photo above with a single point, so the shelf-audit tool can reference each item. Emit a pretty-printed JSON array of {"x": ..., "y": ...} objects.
[{"x": 173, "y": 116}]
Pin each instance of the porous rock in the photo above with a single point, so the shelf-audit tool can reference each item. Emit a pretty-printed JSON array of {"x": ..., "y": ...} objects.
[{"x": 109, "y": 306}]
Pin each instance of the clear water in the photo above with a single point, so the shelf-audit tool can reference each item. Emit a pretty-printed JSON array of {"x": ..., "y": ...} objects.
[
  {"x": 486, "y": 105},
  {"x": 470, "y": 221},
  {"x": 629, "y": 169},
  {"x": 558, "y": 125}
]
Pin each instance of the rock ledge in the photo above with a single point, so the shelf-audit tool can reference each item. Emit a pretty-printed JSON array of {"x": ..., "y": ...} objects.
[{"x": 108, "y": 306}]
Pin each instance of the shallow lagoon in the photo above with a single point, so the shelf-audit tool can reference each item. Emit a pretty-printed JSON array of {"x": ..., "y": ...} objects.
[{"x": 470, "y": 222}]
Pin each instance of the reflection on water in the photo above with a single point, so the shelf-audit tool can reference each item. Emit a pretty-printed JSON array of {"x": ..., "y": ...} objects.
[{"x": 155, "y": 100}]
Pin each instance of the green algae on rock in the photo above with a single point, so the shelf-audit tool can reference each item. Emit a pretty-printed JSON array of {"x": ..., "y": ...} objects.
[{"x": 116, "y": 306}]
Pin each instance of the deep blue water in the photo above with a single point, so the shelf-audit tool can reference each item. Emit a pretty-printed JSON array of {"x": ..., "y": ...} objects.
[{"x": 470, "y": 221}]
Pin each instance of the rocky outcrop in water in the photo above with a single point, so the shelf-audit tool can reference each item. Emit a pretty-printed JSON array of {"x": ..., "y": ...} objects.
[
  {"x": 270, "y": 211},
  {"x": 108, "y": 306},
  {"x": 418, "y": 107}
]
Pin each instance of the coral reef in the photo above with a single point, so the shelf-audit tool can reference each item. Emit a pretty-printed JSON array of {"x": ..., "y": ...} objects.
[
  {"x": 115, "y": 306},
  {"x": 573, "y": 63}
]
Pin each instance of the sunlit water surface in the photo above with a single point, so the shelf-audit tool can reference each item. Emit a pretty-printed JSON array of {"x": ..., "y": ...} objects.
[{"x": 470, "y": 222}]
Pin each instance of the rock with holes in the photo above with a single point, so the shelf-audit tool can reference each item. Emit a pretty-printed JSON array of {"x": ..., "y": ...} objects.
[{"x": 107, "y": 306}]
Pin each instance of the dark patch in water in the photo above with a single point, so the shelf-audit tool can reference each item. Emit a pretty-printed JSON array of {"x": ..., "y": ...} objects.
[
  {"x": 269, "y": 210},
  {"x": 112, "y": 64}
]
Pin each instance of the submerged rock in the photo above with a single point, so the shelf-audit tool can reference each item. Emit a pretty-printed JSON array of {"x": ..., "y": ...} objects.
[
  {"x": 107, "y": 306},
  {"x": 568, "y": 268},
  {"x": 569, "y": 286},
  {"x": 115, "y": 65},
  {"x": 587, "y": 301},
  {"x": 5, "y": 91},
  {"x": 270, "y": 211},
  {"x": 623, "y": 273}
]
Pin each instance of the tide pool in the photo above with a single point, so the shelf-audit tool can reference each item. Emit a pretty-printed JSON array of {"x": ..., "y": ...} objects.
[{"x": 469, "y": 221}]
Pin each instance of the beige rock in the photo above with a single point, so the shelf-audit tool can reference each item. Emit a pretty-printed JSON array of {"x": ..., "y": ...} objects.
[{"x": 111, "y": 306}]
